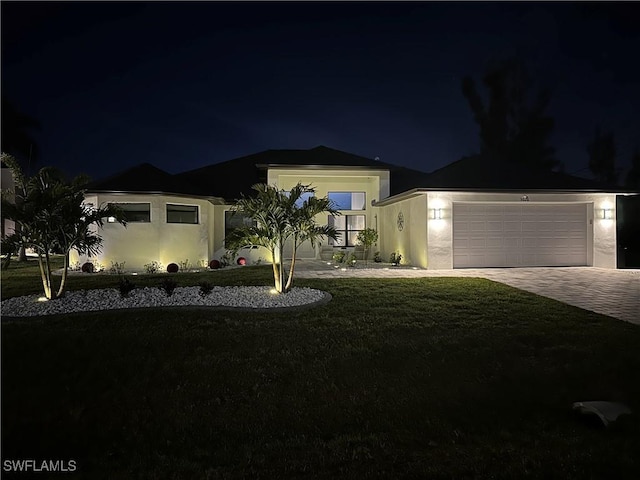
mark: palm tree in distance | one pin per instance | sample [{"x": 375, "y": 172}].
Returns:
[{"x": 16, "y": 138}]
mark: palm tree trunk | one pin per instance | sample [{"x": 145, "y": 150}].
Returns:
[
  {"x": 281, "y": 266},
  {"x": 276, "y": 275},
  {"x": 293, "y": 264},
  {"x": 46, "y": 276},
  {"x": 63, "y": 281}
]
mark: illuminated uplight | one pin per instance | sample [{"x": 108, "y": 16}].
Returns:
[
  {"x": 415, "y": 268},
  {"x": 43, "y": 299},
  {"x": 273, "y": 291},
  {"x": 111, "y": 219},
  {"x": 343, "y": 269}
]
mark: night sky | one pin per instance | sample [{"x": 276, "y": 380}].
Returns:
[{"x": 183, "y": 85}]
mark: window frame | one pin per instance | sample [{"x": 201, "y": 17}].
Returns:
[
  {"x": 351, "y": 192},
  {"x": 344, "y": 232},
  {"x": 119, "y": 205},
  {"x": 197, "y": 212},
  {"x": 230, "y": 212}
]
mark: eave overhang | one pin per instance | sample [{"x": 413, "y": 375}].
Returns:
[
  {"x": 214, "y": 200},
  {"x": 421, "y": 191}
]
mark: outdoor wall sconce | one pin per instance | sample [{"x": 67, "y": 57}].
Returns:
[
  {"x": 607, "y": 213},
  {"x": 436, "y": 214}
]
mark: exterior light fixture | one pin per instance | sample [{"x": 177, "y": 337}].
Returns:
[
  {"x": 436, "y": 214},
  {"x": 607, "y": 213},
  {"x": 524, "y": 198},
  {"x": 111, "y": 219}
]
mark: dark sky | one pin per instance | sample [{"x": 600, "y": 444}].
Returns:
[{"x": 183, "y": 85}]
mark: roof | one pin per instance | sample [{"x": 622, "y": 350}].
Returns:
[
  {"x": 478, "y": 173},
  {"x": 234, "y": 177},
  {"x": 142, "y": 178}
]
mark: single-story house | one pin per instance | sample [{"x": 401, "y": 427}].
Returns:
[{"x": 467, "y": 214}]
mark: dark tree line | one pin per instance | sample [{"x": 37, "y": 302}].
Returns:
[
  {"x": 17, "y": 134},
  {"x": 603, "y": 154},
  {"x": 514, "y": 127}
]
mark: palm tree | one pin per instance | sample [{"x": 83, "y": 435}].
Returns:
[
  {"x": 52, "y": 216},
  {"x": 303, "y": 224},
  {"x": 277, "y": 219}
]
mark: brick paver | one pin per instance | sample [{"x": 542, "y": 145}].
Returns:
[{"x": 611, "y": 292}]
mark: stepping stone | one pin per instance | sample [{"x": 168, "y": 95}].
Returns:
[{"x": 608, "y": 412}]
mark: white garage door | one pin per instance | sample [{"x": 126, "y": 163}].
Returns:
[{"x": 519, "y": 235}]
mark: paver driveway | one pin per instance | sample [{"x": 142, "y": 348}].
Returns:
[{"x": 611, "y": 292}]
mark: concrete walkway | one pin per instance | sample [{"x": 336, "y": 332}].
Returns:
[{"x": 615, "y": 293}]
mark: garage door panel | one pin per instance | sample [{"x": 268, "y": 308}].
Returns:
[
  {"x": 495, "y": 235},
  {"x": 511, "y": 226},
  {"x": 476, "y": 226},
  {"x": 495, "y": 242}
]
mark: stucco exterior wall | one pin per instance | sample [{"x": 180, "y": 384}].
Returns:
[
  {"x": 411, "y": 240},
  {"x": 143, "y": 242}
]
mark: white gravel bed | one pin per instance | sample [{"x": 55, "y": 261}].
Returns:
[{"x": 110, "y": 299}]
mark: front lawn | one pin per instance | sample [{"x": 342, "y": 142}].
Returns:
[{"x": 398, "y": 378}]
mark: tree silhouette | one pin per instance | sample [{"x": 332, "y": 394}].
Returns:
[
  {"x": 17, "y": 139},
  {"x": 602, "y": 156},
  {"x": 633, "y": 176},
  {"x": 512, "y": 128}
]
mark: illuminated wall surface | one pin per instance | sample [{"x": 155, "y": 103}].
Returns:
[{"x": 142, "y": 242}]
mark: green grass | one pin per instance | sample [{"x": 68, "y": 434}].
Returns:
[{"x": 398, "y": 378}]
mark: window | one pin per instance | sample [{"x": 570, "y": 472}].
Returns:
[
  {"x": 182, "y": 213},
  {"x": 134, "y": 212},
  {"x": 304, "y": 197},
  {"x": 348, "y": 200},
  {"x": 348, "y": 226},
  {"x": 231, "y": 221}
]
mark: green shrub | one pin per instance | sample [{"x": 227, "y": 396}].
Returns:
[
  {"x": 205, "y": 288},
  {"x": 168, "y": 285},
  {"x": 153, "y": 267},
  {"x": 125, "y": 286},
  {"x": 117, "y": 268},
  {"x": 338, "y": 257},
  {"x": 352, "y": 260},
  {"x": 377, "y": 257},
  {"x": 395, "y": 258}
]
